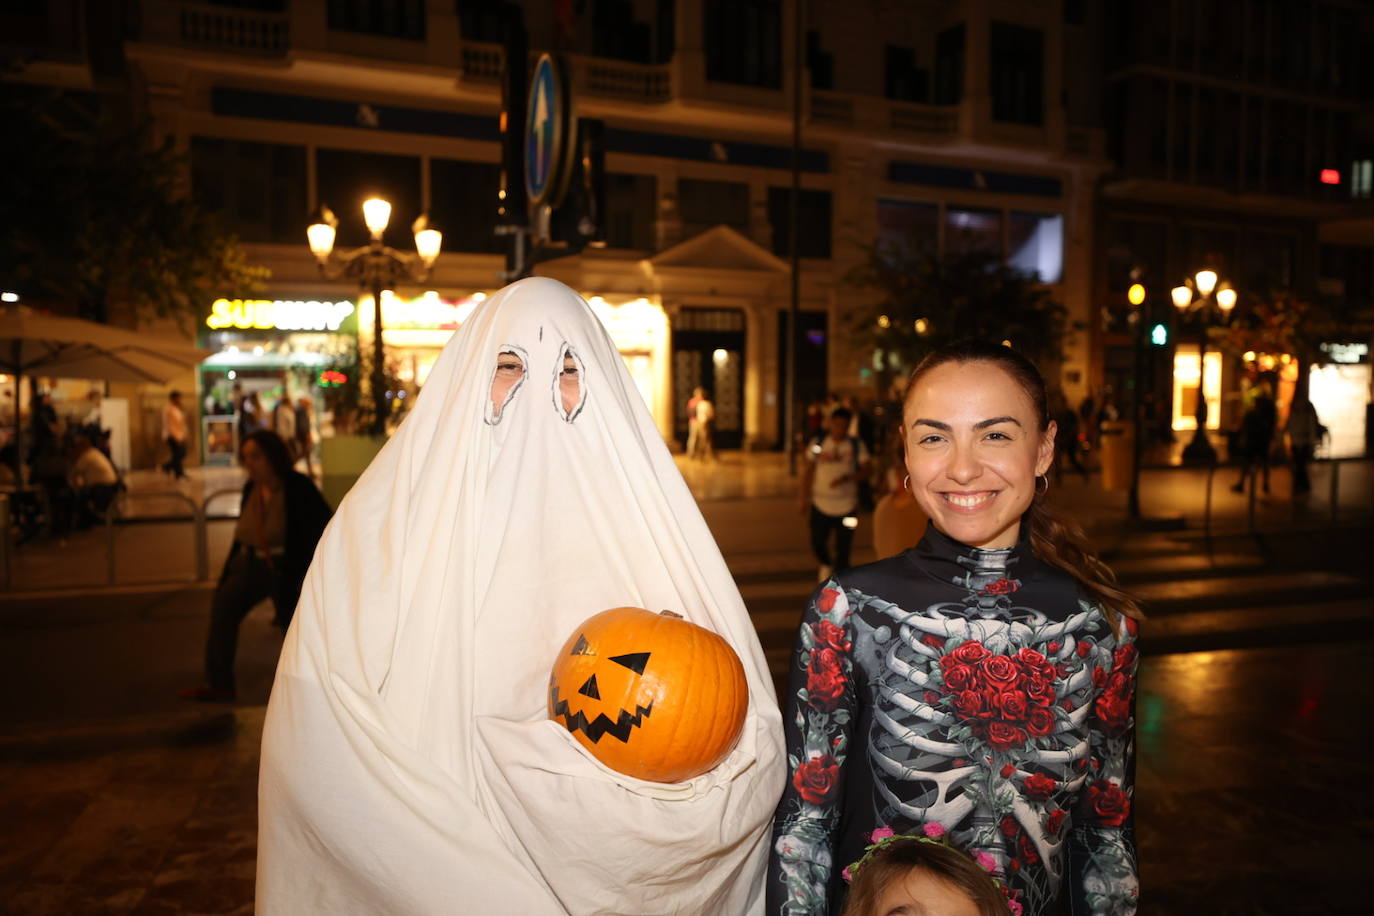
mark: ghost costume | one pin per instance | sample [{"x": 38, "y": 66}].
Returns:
[{"x": 408, "y": 764}]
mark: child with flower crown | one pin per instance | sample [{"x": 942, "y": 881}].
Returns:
[{"x": 923, "y": 874}]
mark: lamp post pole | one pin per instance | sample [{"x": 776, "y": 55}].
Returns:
[
  {"x": 1204, "y": 283},
  {"x": 1136, "y": 295},
  {"x": 376, "y": 268}
]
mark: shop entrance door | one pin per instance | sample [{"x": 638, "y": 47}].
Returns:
[{"x": 708, "y": 350}]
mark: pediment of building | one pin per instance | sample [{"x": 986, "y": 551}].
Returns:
[{"x": 721, "y": 248}]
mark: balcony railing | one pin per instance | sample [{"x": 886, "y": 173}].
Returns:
[
  {"x": 481, "y": 62},
  {"x": 217, "y": 28},
  {"x": 871, "y": 113}
]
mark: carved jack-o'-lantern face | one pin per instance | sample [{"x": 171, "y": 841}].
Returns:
[{"x": 650, "y": 695}]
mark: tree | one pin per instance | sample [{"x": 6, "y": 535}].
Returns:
[
  {"x": 1286, "y": 323},
  {"x": 97, "y": 218},
  {"x": 927, "y": 300}
]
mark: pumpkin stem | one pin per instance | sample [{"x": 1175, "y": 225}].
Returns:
[{"x": 670, "y": 614}]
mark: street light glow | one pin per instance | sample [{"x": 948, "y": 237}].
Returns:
[
  {"x": 1226, "y": 300},
  {"x": 321, "y": 238},
  {"x": 1136, "y": 294},
  {"x": 1206, "y": 281},
  {"x": 427, "y": 244},
  {"x": 376, "y": 213},
  {"x": 1183, "y": 297},
  {"x": 9, "y": 297}
]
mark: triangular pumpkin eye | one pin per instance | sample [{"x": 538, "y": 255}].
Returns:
[
  {"x": 589, "y": 689},
  {"x": 635, "y": 661},
  {"x": 582, "y": 647}
]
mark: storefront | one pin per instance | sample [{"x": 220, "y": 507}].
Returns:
[{"x": 1339, "y": 389}]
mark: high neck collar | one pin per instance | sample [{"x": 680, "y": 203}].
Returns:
[{"x": 975, "y": 568}]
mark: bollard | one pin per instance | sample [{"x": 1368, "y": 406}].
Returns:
[
  {"x": 5, "y": 544},
  {"x": 1207, "y": 508},
  {"x": 202, "y": 545},
  {"x": 109, "y": 547},
  {"x": 1335, "y": 488},
  {"x": 1250, "y": 509}
]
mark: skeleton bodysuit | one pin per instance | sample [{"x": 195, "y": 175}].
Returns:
[{"x": 971, "y": 688}]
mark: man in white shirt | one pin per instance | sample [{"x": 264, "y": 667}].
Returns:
[
  {"x": 830, "y": 491},
  {"x": 93, "y": 479},
  {"x": 174, "y": 431}
]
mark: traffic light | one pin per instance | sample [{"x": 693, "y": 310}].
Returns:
[{"x": 1159, "y": 334}]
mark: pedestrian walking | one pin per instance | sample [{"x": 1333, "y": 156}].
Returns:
[
  {"x": 692, "y": 433},
  {"x": 706, "y": 427},
  {"x": 281, "y": 518},
  {"x": 175, "y": 433},
  {"x": 305, "y": 433},
  {"x": 1257, "y": 437},
  {"x": 408, "y": 761},
  {"x": 1066, "y": 442},
  {"x": 1305, "y": 432},
  {"x": 835, "y": 465},
  {"x": 284, "y": 424},
  {"x": 980, "y": 685}
]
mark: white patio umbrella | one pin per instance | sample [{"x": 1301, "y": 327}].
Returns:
[{"x": 33, "y": 343}]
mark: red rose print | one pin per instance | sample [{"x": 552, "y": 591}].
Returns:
[
  {"x": 1039, "y": 786},
  {"x": 825, "y": 680},
  {"x": 830, "y": 636},
  {"x": 1011, "y": 704},
  {"x": 1108, "y": 802},
  {"x": 816, "y": 778},
  {"x": 970, "y": 653},
  {"x": 1119, "y": 684},
  {"x": 1004, "y": 736},
  {"x": 1066, "y": 704},
  {"x": 957, "y": 677},
  {"x": 930, "y": 697},
  {"x": 1039, "y": 690},
  {"x": 1081, "y": 763},
  {"x": 1000, "y": 587},
  {"x": 1030, "y": 659},
  {"x": 826, "y": 601},
  {"x": 970, "y": 704},
  {"x": 1099, "y": 677},
  {"x": 1009, "y": 825},
  {"x": 935, "y": 642},
  {"x": 1040, "y": 723},
  {"x": 1000, "y": 672},
  {"x": 1053, "y": 648},
  {"x": 1114, "y": 712},
  {"x": 1061, "y": 670},
  {"x": 1027, "y": 849},
  {"x": 1083, "y": 649},
  {"x": 1055, "y": 821},
  {"x": 1014, "y": 865},
  {"x": 1132, "y": 626},
  {"x": 1124, "y": 657},
  {"x": 1007, "y": 770}
]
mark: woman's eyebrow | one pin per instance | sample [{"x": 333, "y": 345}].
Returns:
[
  {"x": 984, "y": 424},
  {"x": 934, "y": 423}
]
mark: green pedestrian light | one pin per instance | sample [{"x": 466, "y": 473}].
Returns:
[{"x": 1159, "y": 335}]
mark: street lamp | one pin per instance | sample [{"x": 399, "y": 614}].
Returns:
[
  {"x": 376, "y": 267},
  {"x": 1204, "y": 285}
]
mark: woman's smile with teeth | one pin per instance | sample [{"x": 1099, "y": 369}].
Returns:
[{"x": 970, "y": 500}]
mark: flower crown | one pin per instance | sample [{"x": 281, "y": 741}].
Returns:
[{"x": 935, "y": 834}]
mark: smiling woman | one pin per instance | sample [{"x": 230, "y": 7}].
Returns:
[{"x": 979, "y": 685}]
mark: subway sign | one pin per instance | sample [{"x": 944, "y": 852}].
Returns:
[{"x": 277, "y": 314}]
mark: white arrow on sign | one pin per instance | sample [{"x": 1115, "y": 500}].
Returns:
[{"x": 541, "y": 124}]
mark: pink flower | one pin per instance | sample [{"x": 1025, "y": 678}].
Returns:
[
  {"x": 934, "y": 830},
  {"x": 848, "y": 878},
  {"x": 986, "y": 862},
  {"x": 881, "y": 833},
  {"x": 1015, "y": 907}
]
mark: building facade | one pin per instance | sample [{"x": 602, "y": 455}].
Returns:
[
  {"x": 1241, "y": 135},
  {"x": 943, "y": 121}
]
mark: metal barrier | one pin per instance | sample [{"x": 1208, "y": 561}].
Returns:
[
  {"x": 1252, "y": 525},
  {"x": 197, "y": 521}
]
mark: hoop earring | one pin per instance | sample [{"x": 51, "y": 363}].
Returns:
[
  {"x": 906, "y": 482},
  {"x": 1038, "y": 478}
]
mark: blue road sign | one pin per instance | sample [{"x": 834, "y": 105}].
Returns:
[{"x": 546, "y": 133}]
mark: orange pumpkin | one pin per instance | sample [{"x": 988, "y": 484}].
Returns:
[{"x": 652, "y": 696}]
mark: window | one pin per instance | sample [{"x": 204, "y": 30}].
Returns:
[
  {"x": 1035, "y": 245},
  {"x": 907, "y": 226},
  {"x": 631, "y": 211},
  {"x": 385, "y": 18},
  {"x": 820, "y": 64},
  {"x": 949, "y": 66},
  {"x": 968, "y": 229},
  {"x": 1267, "y": 262},
  {"x": 616, "y": 34},
  {"x": 902, "y": 79},
  {"x": 1018, "y": 63},
  {"x": 258, "y": 189},
  {"x": 346, "y": 178},
  {"x": 813, "y": 217},
  {"x": 463, "y": 203},
  {"x": 706, "y": 204},
  {"x": 743, "y": 40},
  {"x": 486, "y": 20}
]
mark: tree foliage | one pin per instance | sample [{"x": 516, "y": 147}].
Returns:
[
  {"x": 97, "y": 218},
  {"x": 926, "y": 300}
]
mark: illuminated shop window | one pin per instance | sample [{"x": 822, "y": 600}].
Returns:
[{"x": 1186, "y": 378}]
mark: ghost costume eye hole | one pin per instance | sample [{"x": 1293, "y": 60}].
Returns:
[
  {"x": 506, "y": 379},
  {"x": 568, "y": 393}
]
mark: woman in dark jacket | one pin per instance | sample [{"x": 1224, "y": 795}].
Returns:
[{"x": 281, "y": 518}]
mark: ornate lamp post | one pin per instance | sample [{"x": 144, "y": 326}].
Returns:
[
  {"x": 1197, "y": 296},
  {"x": 376, "y": 267}
]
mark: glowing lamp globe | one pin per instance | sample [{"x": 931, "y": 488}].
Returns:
[{"x": 652, "y": 696}]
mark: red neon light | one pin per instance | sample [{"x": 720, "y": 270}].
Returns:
[{"x": 1331, "y": 176}]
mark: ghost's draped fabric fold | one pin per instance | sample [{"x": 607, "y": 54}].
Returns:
[{"x": 408, "y": 765}]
